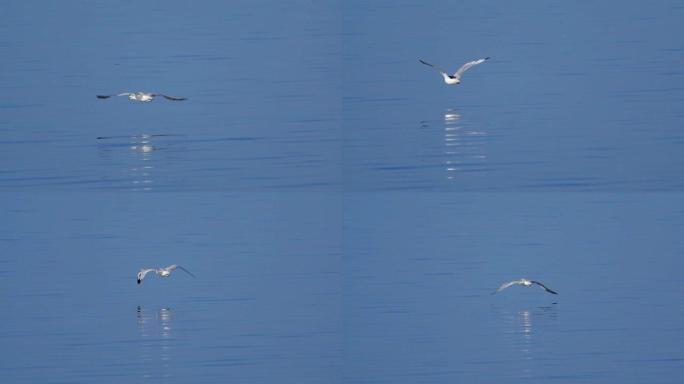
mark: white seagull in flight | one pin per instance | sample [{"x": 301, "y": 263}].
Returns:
[
  {"x": 456, "y": 77},
  {"x": 526, "y": 283},
  {"x": 145, "y": 97},
  {"x": 163, "y": 272}
]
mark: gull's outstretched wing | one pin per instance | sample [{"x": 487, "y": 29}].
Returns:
[
  {"x": 174, "y": 266},
  {"x": 506, "y": 285},
  {"x": 143, "y": 272},
  {"x": 443, "y": 72},
  {"x": 108, "y": 96},
  {"x": 167, "y": 97},
  {"x": 544, "y": 286},
  {"x": 469, "y": 65}
]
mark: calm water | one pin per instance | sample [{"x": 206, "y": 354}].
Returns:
[{"x": 347, "y": 214}]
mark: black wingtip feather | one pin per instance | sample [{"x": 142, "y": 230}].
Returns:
[{"x": 174, "y": 98}]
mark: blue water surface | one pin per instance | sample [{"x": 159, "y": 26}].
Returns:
[{"x": 346, "y": 214}]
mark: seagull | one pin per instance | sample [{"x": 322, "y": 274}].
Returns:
[
  {"x": 526, "y": 283},
  {"x": 163, "y": 272},
  {"x": 456, "y": 77},
  {"x": 145, "y": 97}
]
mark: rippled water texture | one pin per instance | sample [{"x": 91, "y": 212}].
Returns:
[{"x": 346, "y": 214}]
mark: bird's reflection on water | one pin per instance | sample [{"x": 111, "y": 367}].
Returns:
[
  {"x": 156, "y": 341},
  {"x": 522, "y": 328},
  {"x": 141, "y": 149},
  {"x": 142, "y": 144},
  {"x": 464, "y": 149},
  {"x": 141, "y": 173}
]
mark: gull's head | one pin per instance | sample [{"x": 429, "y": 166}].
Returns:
[{"x": 164, "y": 273}]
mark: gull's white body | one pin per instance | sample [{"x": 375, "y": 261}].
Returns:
[
  {"x": 141, "y": 96},
  {"x": 163, "y": 272},
  {"x": 450, "y": 80},
  {"x": 455, "y": 79}
]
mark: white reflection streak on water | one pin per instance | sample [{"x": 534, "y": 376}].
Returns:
[
  {"x": 451, "y": 139},
  {"x": 164, "y": 317},
  {"x": 142, "y": 174},
  {"x": 148, "y": 350},
  {"x": 520, "y": 323},
  {"x": 140, "y": 150},
  {"x": 460, "y": 146},
  {"x": 525, "y": 318},
  {"x": 526, "y": 321},
  {"x": 521, "y": 326}
]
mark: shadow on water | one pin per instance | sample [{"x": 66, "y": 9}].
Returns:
[{"x": 156, "y": 342}]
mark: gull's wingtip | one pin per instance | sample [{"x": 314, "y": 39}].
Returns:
[
  {"x": 188, "y": 272},
  {"x": 487, "y": 58},
  {"x": 139, "y": 281},
  {"x": 167, "y": 97}
]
